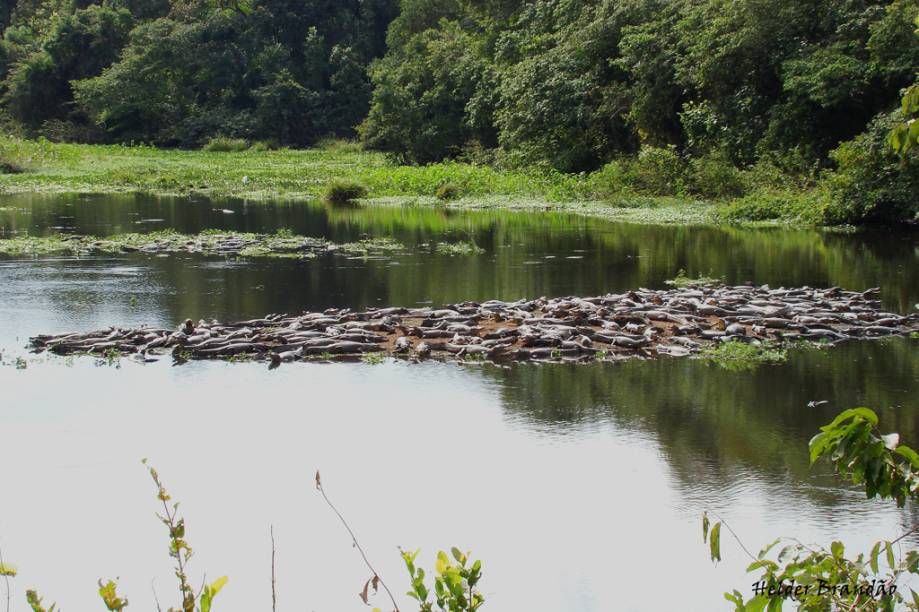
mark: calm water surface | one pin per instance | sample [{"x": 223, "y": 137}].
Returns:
[{"x": 581, "y": 488}]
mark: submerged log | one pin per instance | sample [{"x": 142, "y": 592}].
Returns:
[{"x": 642, "y": 323}]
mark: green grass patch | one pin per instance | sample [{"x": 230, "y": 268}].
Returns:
[
  {"x": 738, "y": 356},
  {"x": 341, "y": 171},
  {"x": 221, "y": 144}
]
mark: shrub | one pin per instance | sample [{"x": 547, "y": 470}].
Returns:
[
  {"x": 223, "y": 144},
  {"x": 809, "y": 207},
  {"x": 341, "y": 191},
  {"x": 448, "y": 191},
  {"x": 715, "y": 177},
  {"x": 264, "y": 145},
  {"x": 656, "y": 171},
  {"x": 872, "y": 183}
]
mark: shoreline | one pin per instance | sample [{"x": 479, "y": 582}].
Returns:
[{"x": 305, "y": 174}]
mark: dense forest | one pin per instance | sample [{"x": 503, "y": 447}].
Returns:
[{"x": 568, "y": 85}]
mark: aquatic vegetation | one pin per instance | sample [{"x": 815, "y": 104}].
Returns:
[
  {"x": 818, "y": 578},
  {"x": 683, "y": 280},
  {"x": 283, "y": 244},
  {"x": 458, "y": 248},
  {"x": 373, "y": 358},
  {"x": 342, "y": 191},
  {"x": 370, "y": 245},
  {"x": 738, "y": 356}
]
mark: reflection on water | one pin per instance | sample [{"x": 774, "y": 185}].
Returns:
[{"x": 570, "y": 482}]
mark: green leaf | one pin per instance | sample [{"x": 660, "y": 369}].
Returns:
[
  {"x": 757, "y": 604},
  {"x": 715, "y": 542},
  {"x": 875, "y": 553},
  {"x": 458, "y": 555},
  {"x": 890, "y": 558},
  {"x": 8, "y": 570},
  {"x": 907, "y": 452},
  {"x": 818, "y": 445},
  {"x": 864, "y": 413},
  {"x": 765, "y": 551},
  {"x": 442, "y": 562},
  {"x": 705, "y": 524},
  {"x": 210, "y": 591}
]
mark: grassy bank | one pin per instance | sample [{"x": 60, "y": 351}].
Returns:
[{"x": 635, "y": 191}]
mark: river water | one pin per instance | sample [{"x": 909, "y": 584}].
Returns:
[{"x": 581, "y": 488}]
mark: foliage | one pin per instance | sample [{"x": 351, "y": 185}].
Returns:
[
  {"x": 714, "y": 177},
  {"x": 180, "y": 73},
  {"x": 35, "y": 602},
  {"x": 575, "y": 85},
  {"x": 342, "y": 191},
  {"x": 430, "y": 97},
  {"x": 816, "y": 578},
  {"x": 810, "y": 207},
  {"x": 448, "y": 191},
  {"x": 873, "y": 182},
  {"x": 181, "y": 553},
  {"x": 454, "y": 584},
  {"x": 76, "y": 45},
  {"x": 905, "y": 134},
  {"x": 108, "y": 591}
]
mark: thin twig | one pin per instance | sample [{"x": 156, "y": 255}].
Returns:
[
  {"x": 908, "y": 533},
  {"x": 155, "y": 598},
  {"x": 6, "y": 579},
  {"x": 274, "y": 597},
  {"x": 356, "y": 543},
  {"x": 736, "y": 537}
]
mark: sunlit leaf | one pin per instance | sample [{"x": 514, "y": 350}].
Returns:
[{"x": 715, "y": 542}]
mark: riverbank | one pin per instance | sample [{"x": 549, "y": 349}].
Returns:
[{"x": 258, "y": 175}]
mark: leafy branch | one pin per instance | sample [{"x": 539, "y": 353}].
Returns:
[{"x": 816, "y": 578}]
